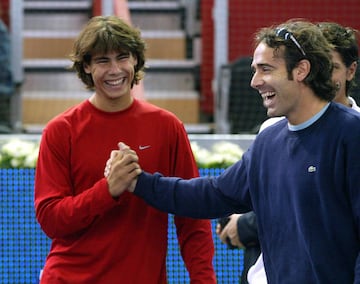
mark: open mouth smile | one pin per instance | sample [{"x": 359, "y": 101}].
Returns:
[{"x": 117, "y": 82}]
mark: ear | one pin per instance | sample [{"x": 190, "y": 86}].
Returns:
[
  {"x": 87, "y": 68},
  {"x": 350, "y": 71},
  {"x": 302, "y": 70}
]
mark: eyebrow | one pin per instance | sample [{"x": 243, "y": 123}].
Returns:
[
  {"x": 97, "y": 57},
  {"x": 260, "y": 65}
]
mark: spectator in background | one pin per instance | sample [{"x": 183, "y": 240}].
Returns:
[
  {"x": 300, "y": 175},
  {"x": 345, "y": 57},
  {"x": 6, "y": 80},
  {"x": 97, "y": 235}
]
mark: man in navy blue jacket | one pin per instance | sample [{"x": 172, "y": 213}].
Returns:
[{"x": 300, "y": 176}]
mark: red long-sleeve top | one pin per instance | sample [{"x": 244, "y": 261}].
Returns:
[{"x": 95, "y": 238}]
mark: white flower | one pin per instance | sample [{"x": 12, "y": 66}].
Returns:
[
  {"x": 18, "y": 148},
  {"x": 228, "y": 149},
  {"x": 222, "y": 155},
  {"x": 18, "y": 153},
  {"x": 15, "y": 162},
  {"x": 30, "y": 160},
  {"x": 201, "y": 154}
]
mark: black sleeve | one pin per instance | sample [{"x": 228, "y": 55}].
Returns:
[{"x": 247, "y": 229}]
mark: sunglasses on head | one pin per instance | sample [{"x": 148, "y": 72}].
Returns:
[{"x": 286, "y": 35}]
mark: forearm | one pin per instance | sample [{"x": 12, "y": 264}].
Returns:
[
  {"x": 60, "y": 216},
  {"x": 196, "y": 198},
  {"x": 197, "y": 248}
]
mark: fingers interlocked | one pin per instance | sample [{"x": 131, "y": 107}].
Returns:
[{"x": 121, "y": 170}]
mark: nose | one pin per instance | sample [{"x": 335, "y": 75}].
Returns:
[
  {"x": 256, "y": 81},
  {"x": 114, "y": 67}
]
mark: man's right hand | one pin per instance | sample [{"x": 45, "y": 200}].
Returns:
[{"x": 121, "y": 170}]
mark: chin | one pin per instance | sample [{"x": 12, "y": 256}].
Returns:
[{"x": 271, "y": 113}]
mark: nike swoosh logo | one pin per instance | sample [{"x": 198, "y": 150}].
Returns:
[{"x": 144, "y": 147}]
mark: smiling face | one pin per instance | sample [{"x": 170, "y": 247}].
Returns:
[
  {"x": 112, "y": 74},
  {"x": 280, "y": 94}
]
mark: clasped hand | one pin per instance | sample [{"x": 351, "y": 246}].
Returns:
[{"x": 121, "y": 170}]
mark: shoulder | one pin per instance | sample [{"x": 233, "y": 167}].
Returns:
[
  {"x": 354, "y": 106},
  {"x": 151, "y": 111},
  {"x": 346, "y": 114},
  {"x": 66, "y": 118},
  {"x": 272, "y": 129},
  {"x": 342, "y": 122},
  {"x": 152, "y": 108}
]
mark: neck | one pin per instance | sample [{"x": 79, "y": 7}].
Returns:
[
  {"x": 306, "y": 109},
  {"x": 111, "y": 105}
]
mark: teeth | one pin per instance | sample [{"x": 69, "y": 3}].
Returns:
[
  {"x": 117, "y": 82},
  {"x": 268, "y": 94}
]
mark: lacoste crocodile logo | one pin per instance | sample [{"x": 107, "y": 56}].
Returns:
[{"x": 311, "y": 169}]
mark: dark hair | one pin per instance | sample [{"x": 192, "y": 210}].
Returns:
[
  {"x": 315, "y": 47},
  {"x": 344, "y": 41},
  {"x": 103, "y": 34}
]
